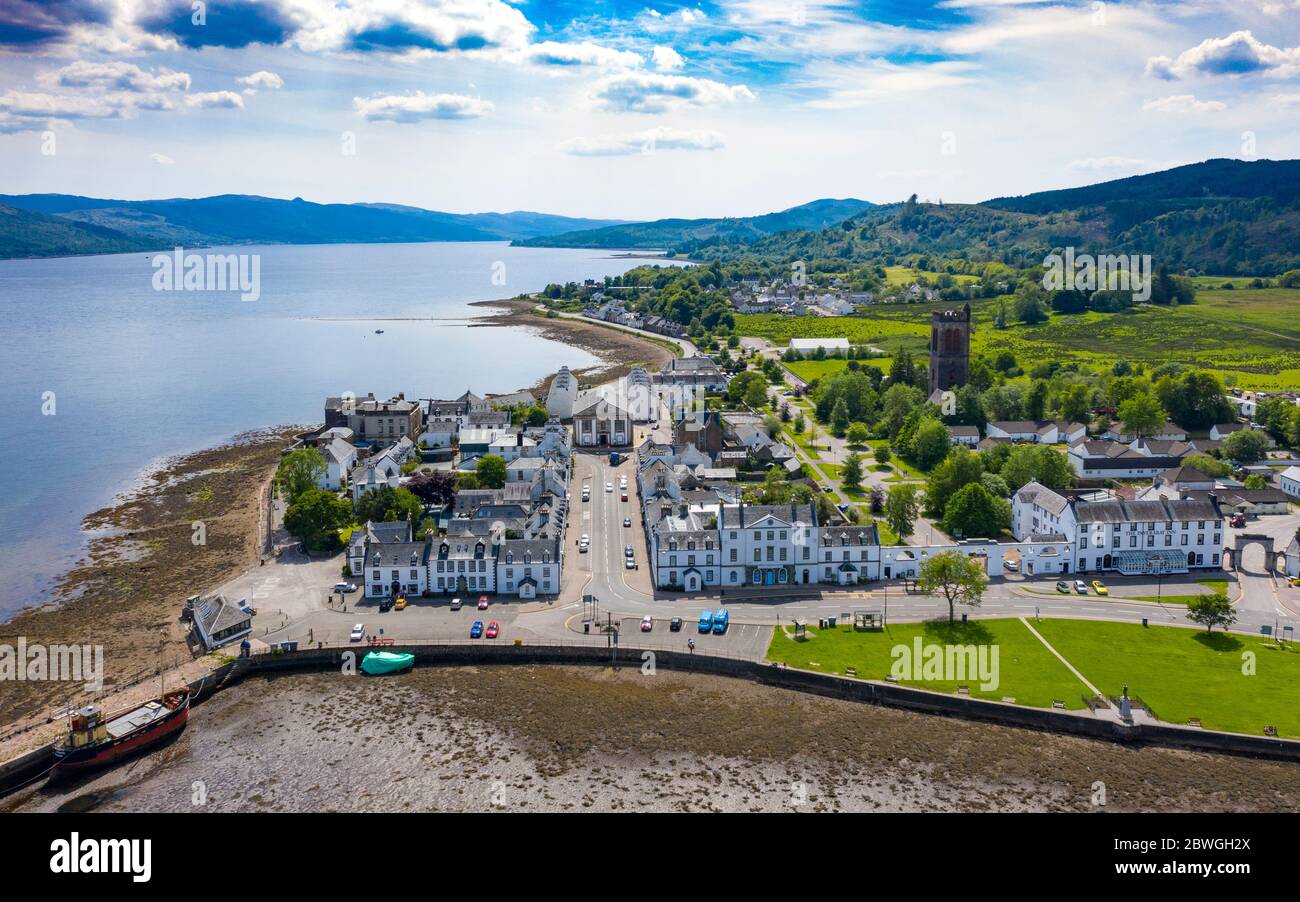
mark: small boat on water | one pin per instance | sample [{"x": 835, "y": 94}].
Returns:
[
  {"x": 95, "y": 740},
  {"x": 379, "y": 331},
  {"x": 378, "y": 663}
]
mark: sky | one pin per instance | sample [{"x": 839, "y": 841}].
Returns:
[{"x": 634, "y": 110}]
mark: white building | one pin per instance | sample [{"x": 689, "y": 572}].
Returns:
[
  {"x": 808, "y": 345},
  {"x": 562, "y": 394},
  {"x": 1289, "y": 481},
  {"x": 597, "y": 422},
  {"x": 340, "y": 457}
]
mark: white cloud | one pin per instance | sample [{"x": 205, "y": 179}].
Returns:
[
  {"x": 666, "y": 58},
  {"x": 419, "y": 28},
  {"x": 585, "y": 53},
  {"x": 1285, "y": 100},
  {"x": 116, "y": 76},
  {"x": 1182, "y": 103},
  {"x": 262, "y": 79},
  {"x": 1238, "y": 54},
  {"x": 646, "y": 92},
  {"x": 29, "y": 104},
  {"x": 847, "y": 86},
  {"x": 648, "y": 141},
  {"x": 161, "y": 159},
  {"x": 227, "y": 100},
  {"x": 419, "y": 106}
]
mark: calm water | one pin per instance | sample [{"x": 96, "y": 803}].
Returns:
[{"x": 138, "y": 375}]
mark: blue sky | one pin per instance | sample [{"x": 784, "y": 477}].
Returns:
[{"x": 634, "y": 109}]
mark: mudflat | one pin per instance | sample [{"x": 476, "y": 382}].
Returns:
[{"x": 572, "y": 739}]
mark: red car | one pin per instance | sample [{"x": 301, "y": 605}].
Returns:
[
  {"x": 482, "y": 602},
  {"x": 492, "y": 630}
]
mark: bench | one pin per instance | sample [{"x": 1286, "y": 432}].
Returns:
[
  {"x": 1009, "y": 699},
  {"x": 1058, "y": 704},
  {"x": 963, "y": 690},
  {"x": 1193, "y": 722},
  {"x": 1270, "y": 731}
]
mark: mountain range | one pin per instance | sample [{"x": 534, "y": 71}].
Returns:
[
  {"x": 1219, "y": 216},
  {"x": 47, "y": 225}
]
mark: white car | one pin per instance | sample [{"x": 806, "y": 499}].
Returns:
[
  {"x": 627, "y": 522},
  {"x": 358, "y": 633},
  {"x": 584, "y": 544},
  {"x": 609, "y": 486},
  {"x": 629, "y": 563},
  {"x": 1010, "y": 565},
  {"x": 455, "y": 604},
  {"x": 345, "y": 587}
]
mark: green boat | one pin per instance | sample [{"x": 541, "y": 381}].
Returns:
[{"x": 378, "y": 663}]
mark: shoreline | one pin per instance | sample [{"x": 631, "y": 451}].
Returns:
[{"x": 618, "y": 349}]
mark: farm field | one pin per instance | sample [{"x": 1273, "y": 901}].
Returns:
[{"x": 1247, "y": 336}]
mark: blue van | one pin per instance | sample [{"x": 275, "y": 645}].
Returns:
[
  {"x": 706, "y": 622},
  {"x": 720, "y": 620}
]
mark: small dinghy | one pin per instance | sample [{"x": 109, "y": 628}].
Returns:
[{"x": 378, "y": 663}]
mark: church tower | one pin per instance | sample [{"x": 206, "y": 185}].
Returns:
[{"x": 949, "y": 348}]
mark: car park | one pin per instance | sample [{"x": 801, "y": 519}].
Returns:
[
  {"x": 675, "y": 625},
  {"x": 1081, "y": 587},
  {"x": 1100, "y": 587},
  {"x": 647, "y": 623},
  {"x": 493, "y": 630},
  {"x": 476, "y": 631},
  {"x": 358, "y": 633}
]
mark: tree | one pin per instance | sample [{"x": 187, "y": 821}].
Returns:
[
  {"x": 857, "y": 434},
  {"x": 1030, "y": 299},
  {"x": 1036, "y": 400},
  {"x": 960, "y": 468},
  {"x": 1211, "y": 610},
  {"x": 1141, "y": 415},
  {"x": 882, "y": 455},
  {"x": 491, "y": 471},
  {"x": 388, "y": 505},
  {"x": 975, "y": 512},
  {"x": 316, "y": 516},
  {"x": 852, "y": 472},
  {"x": 901, "y": 509},
  {"x": 958, "y": 578},
  {"x": 1075, "y": 403},
  {"x": 1195, "y": 399},
  {"x": 1255, "y": 481},
  {"x": 895, "y": 404},
  {"x": 300, "y": 471},
  {"x": 840, "y": 417},
  {"x": 1210, "y": 466},
  {"x": 755, "y": 394},
  {"x": 435, "y": 488},
  {"x": 799, "y": 423},
  {"x": 1245, "y": 446},
  {"x": 930, "y": 443}
]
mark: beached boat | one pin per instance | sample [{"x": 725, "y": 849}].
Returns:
[
  {"x": 377, "y": 663},
  {"x": 95, "y": 741}
]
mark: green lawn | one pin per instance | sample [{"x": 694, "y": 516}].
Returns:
[
  {"x": 1027, "y": 671},
  {"x": 1214, "y": 585},
  {"x": 1185, "y": 673}
]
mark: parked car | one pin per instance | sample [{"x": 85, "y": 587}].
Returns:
[
  {"x": 476, "y": 631},
  {"x": 675, "y": 625},
  {"x": 345, "y": 587},
  {"x": 1010, "y": 565},
  {"x": 1081, "y": 587},
  {"x": 385, "y": 605},
  {"x": 624, "y": 497},
  {"x": 647, "y": 623},
  {"x": 627, "y": 551},
  {"x": 706, "y": 622},
  {"x": 401, "y": 603},
  {"x": 1238, "y": 521},
  {"x": 493, "y": 629},
  {"x": 720, "y": 620},
  {"x": 358, "y": 633},
  {"x": 629, "y": 563},
  {"x": 482, "y": 603},
  {"x": 1063, "y": 587},
  {"x": 455, "y": 604},
  {"x": 1100, "y": 587}
]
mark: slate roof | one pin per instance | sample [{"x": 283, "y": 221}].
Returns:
[{"x": 1159, "y": 511}]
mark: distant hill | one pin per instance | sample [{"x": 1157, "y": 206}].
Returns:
[
  {"x": 27, "y": 234},
  {"x": 108, "y": 226},
  {"x": 667, "y": 233},
  {"x": 1221, "y": 216}
]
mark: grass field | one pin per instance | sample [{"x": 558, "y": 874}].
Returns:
[
  {"x": 1251, "y": 336},
  {"x": 1027, "y": 671},
  {"x": 1181, "y": 673},
  {"x": 1185, "y": 673},
  {"x": 1214, "y": 585}
]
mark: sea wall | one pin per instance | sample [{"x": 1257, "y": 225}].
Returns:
[{"x": 31, "y": 765}]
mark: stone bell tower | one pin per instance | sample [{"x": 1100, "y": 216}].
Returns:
[{"x": 949, "y": 348}]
